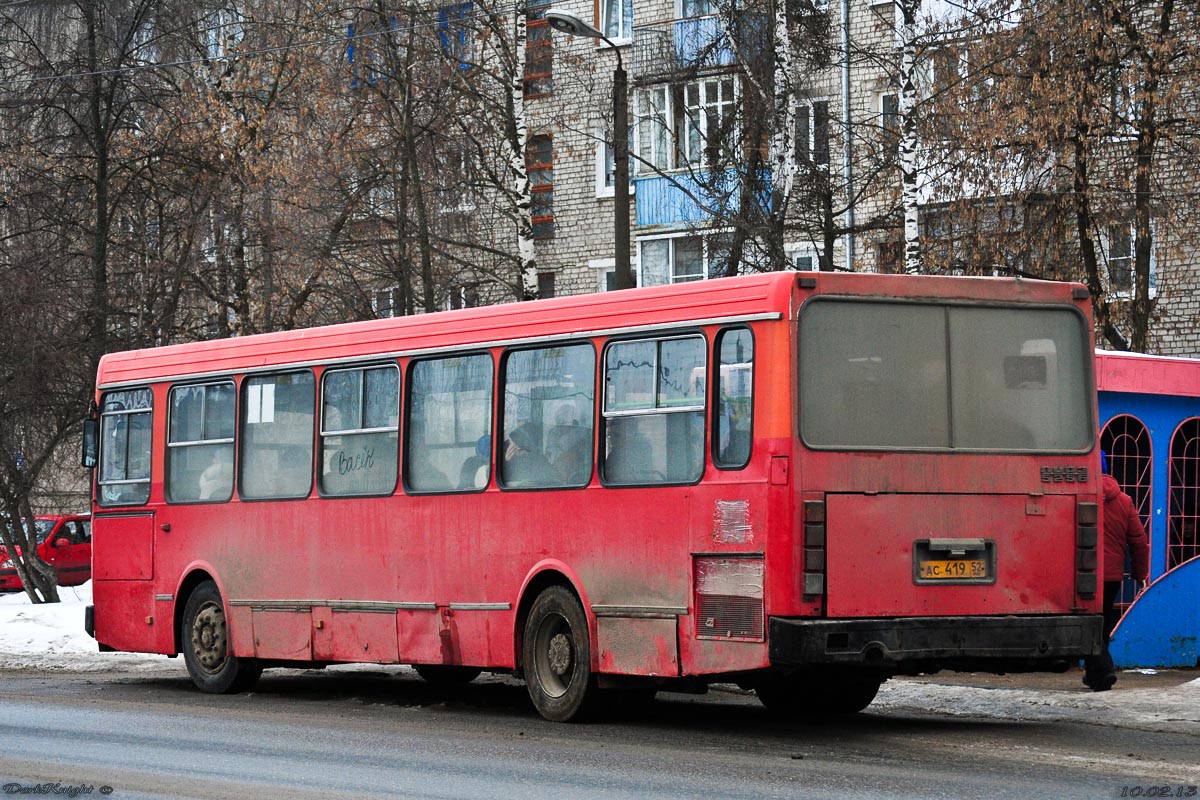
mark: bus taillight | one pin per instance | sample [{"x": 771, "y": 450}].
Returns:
[
  {"x": 814, "y": 550},
  {"x": 1086, "y": 553}
]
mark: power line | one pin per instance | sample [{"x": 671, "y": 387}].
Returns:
[{"x": 245, "y": 55}]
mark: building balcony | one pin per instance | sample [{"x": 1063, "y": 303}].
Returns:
[{"x": 678, "y": 49}]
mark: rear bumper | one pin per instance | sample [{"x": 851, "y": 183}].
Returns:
[{"x": 924, "y": 644}]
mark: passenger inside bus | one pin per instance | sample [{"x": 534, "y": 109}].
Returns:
[
  {"x": 474, "y": 472},
  {"x": 570, "y": 453},
  {"x": 216, "y": 481},
  {"x": 524, "y": 463}
]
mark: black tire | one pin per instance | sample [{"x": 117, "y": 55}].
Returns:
[
  {"x": 810, "y": 695},
  {"x": 557, "y": 656},
  {"x": 204, "y": 639},
  {"x": 447, "y": 674}
]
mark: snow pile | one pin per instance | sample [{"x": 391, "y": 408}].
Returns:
[
  {"x": 1157, "y": 708},
  {"x": 51, "y": 635}
]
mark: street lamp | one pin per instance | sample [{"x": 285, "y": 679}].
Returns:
[{"x": 566, "y": 22}]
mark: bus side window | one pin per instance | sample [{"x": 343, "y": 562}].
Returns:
[
  {"x": 548, "y": 412},
  {"x": 449, "y": 421},
  {"x": 277, "y": 436},
  {"x": 654, "y": 411},
  {"x": 734, "y": 418},
  {"x": 360, "y": 417},
  {"x": 200, "y": 427},
  {"x": 124, "y": 475}
]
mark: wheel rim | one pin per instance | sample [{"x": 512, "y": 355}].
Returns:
[
  {"x": 555, "y": 656},
  {"x": 208, "y": 637}
]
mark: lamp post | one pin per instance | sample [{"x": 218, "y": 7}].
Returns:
[{"x": 566, "y": 22}]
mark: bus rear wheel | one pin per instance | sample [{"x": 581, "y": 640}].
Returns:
[
  {"x": 816, "y": 694},
  {"x": 557, "y": 656},
  {"x": 447, "y": 674},
  {"x": 205, "y": 640}
]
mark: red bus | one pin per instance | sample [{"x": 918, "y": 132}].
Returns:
[{"x": 804, "y": 483}]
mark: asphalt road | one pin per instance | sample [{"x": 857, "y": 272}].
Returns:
[{"x": 388, "y": 734}]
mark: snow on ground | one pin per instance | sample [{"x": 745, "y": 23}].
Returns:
[
  {"x": 1175, "y": 707},
  {"x": 51, "y": 637}
]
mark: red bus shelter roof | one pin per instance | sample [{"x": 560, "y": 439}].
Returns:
[{"x": 1145, "y": 374}]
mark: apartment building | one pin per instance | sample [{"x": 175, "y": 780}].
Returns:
[{"x": 699, "y": 71}]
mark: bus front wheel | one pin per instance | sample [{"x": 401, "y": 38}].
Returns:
[
  {"x": 204, "y": 636},
  {"x": 557, "y": 656}
]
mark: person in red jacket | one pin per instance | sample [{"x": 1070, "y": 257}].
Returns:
[{"x": 1122, "y": 529}]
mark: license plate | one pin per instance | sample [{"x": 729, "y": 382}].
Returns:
[{"x": 954, "y": 569}]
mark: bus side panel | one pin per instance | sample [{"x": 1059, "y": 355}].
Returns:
[
  {"x": 418, "y": 639},
  {"x": 123, "y": 547},
  {"x": 353, "y": 635},
  {"x": 283, "y": 634},
  {"x": 125, "y": 618},
  {"x": 637, "y": 646},
  {"x": 715, "y": 656}
]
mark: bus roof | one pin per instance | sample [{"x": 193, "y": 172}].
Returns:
[
  {"x": 761, "y": 296},
  {"x": 1138, "y": 373}
]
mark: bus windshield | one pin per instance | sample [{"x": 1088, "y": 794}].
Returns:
[{"x": 922, "y": 376}]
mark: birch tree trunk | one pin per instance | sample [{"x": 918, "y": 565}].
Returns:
[
  {"x": 907, "y": 153},
  {"x": 518, "y": 140},
  {"x": 782, "y": 154}
]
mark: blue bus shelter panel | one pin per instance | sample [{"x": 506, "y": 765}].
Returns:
[
  {"x": 1162, "y": 627},
  {"x": 1161, "y": 414}
]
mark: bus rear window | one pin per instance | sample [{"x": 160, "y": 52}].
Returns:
[{"x": 921, "y": 376}]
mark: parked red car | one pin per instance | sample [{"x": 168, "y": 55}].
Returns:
[{"x": 64, "y": 542}]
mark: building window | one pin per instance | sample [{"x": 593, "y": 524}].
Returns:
[
  {"x": 812, "y": 133},
  {"x": 889, "y": 113},
  {"x": 545, "y": 285},
  {"x": 383, "y": 303},
  {"x": 606, "y": 167},
  {"x": 696, "y": 8},
  {"x": 681, "y": 259},
  {"x": 710, "y": 106},
  {"x": 889, "y": 256},
  {"x": 803, "y": 257},
  {"x": 539, "y": 161},
  {"x": 465, "y": 296},
  {"x": 1118, "y": 245},
  {"x": 692, "y": 124},
  {"x": 454, "y": 32},
  {"x": 223, "y": 31},
  {"x": 616, "y": 18},
  {"x": 1119, "y": 251},
  {"x": 653, "y": 130},
  {"x": 539, "y": 55}
]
